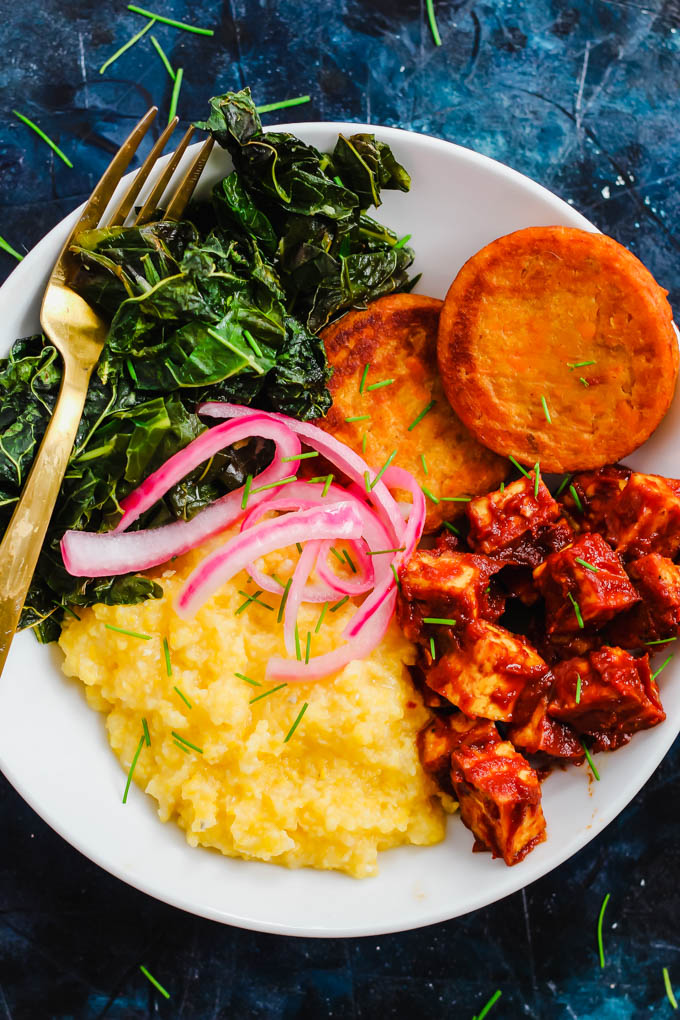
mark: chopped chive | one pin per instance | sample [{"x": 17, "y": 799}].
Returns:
[
  {"x": 576, "y": 498},
  {"x": 299, "y": 548},
  {"x": 272, "y": 690},
  {"x": 175, "y": 96},
  {"x": 380, "y": 552},
  {"x": 327, "y": 485},
  {"x": 131, "y": 370},
  {"x": 358, "y": 417},
  {"x": 253, "y": 683},
  {"x": 518, "y": 466},
  {"x": 347, "y": 556},
  {"x": 67, "y": 609},
  {"x": 41, "y": 134},
  {"x": 456, "y": 499},
  {"x": 367, "y": 481},
  {"x": 588, "y": 566},
  {"x": 181, "y": 747},
  {"x": 145, "y": 727},
  {"x": 537, "y": 479},
  {"x": 161, "y": 53},
  {"x": 300, "y": 456},
  {"x": 295, "y": 725},
  {"x": 430, "y": 495},
  {"x": 429, "y": 6},
  {"x": 588, "y": 755},
  {"x": 578, "y": 688},
  {"x": 132, "y": 767},
  {"x": 252, "y": 343},
  {"x": 337, "y": 605},
  {"x": 183, "y": 740},
  {"x": 669, "y": 988},
  {"x": 584, "y": 382},
  {"x": 363, "y": 377},
  {"x": 417, "y": 420},
  {"x": 283, "y": 104},
  {"x": 153, "y": 981},
  {"x": 563, "y": 484},
  {"x": 274, "y": 485},
  {"x": 452, "y": 528},
  {"x": 546, "y": 412},
  {"x": 662, "y": 666},
  {"x": 318, "y": 478},
  {"x": 383, "y": 469},
  {"x": 298, "y": 651},
  {"x": 129, "y": 633},
  {"x": 600, "y": 919},
  {"x": 396, "y": 575},
  {"x": 379, "y": 385},
  {"x": 661, "y": 641},
  {"x": 320, "y": 620},
  {"x": 433, "y": 650},
  {"x": 183, "y": 697},
  {"x": 577, "y": 609},
  {"x": 166, "y": 653},
  {"x": 276, "y": 578},
  {"x": 424, "y": 463},
  {"x": 336, "y": 554},
  {"x": 6, "y": 246},
  {"x": 502, "y": 488},
  {"x": 401, "y": 242},
  {"x": 255, "y": 597},
  {"x": 246, "y": 491},
  {"x": 169, "y": 21},
  {"x": 284, "y": 599},
  {"x": 364, "y": 440},
  {"x": 439, "y": 620},
  {"x": 487, "y": 589},
  {"x": 579, "y": 364},
  {"x": 308, "y": 647},
  {"x": 338, "y": 181},
  {"x": 492, "y": 1001},
  {"x": 128, "y": 44}
]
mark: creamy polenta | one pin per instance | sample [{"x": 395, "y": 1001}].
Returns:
[{"x": 347, "y": 783}]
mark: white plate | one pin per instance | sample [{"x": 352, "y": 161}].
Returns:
[{"x": 53, "y": 748}]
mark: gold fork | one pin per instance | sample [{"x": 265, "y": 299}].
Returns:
[{"x": 79, "y": 333}]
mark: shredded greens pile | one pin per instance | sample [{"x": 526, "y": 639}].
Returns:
[{"x": 226, "y": 304}]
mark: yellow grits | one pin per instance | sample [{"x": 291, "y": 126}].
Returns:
[{"x": 347, "y": 783}]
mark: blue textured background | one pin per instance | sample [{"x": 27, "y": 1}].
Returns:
[{"x": 583, "y": 97}]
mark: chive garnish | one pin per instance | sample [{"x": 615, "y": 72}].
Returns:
[
  {"x": 300, "y": 456},
  {"x": 166, "y": 653},
  {"x": 169, "y": 21},
  {"x": 578, "y": 688},
  {"x": 579, "y": 364},
  {"x": 661, "y": 641},
  {"x": 327, "y": 485},
  {"x": 536, "y": 480},
  {"x": 128, "y": 633},
  {"x": 67, "y": 609},
  {"x": 424, "y": 463},
  {"x": 588, "y": 755},
  {"x": 272, "y": 690},
  {"x": 183, "y": 697},
  {"x": 396, "y": 575},
  {"x": 283, "y": 104},
  {"x": 430, "y": 495},
  {"x": 317, "y": 479},
  {"x": 347, "y": 556},
  {"x": 379, "y": 385},
  {"x": 439, "y": 620},
  {"x": 295, "y": 725},
  {"x": 337, "y": 605},
  {"x": 452, "y": 528},
  {"x": 367, "y": 481},
  {"x": 252, "y": 343},
  {"x": 600, "y": 919},
  {"x": 576, "y": 498},
  {"x": 456, "y": 499},
  {"x": 577, "y": 609},
  {"x": 383, "y": 469},
  {"x": 492, "y": 1001},
  {"x": 274, "y": 485},
  {"x": 253, "y": 683},
  {"x": 161, "y": 53},
  {"x": 183, "y": 740},
  {"x": 145, "y": 727},
  {"x": 669, "y": 988},
  {"x": 401, "y": 242},
  {"x": 181, "y": 746},
  {"x": 433, "y": 650},
  {"x": 429, "y": 6},
  {"x": 563, "y": 484},
  {"x": 363, "y": 377},
  {"x": 299, "y": 548},
  {"x": 246, "y": 491},
  {"x": 132, "y": 766},
  {"x": 358, "y": 417},
  {"x": 417, "y": 420},
  {"x": 320, "y": 620},
  {"x": 308, "y": 647},
  {"x": 336, "y": 554},
  {"x": 380, "y": 552},
  {"x": 284, "y": 599},
  {"x": 518, "y": 466},
  {"x": 662, "y": 666},
  {"x": 153, "y": 981},
  {"x": 588, "y": 566},
  {"x": 254, "y": 597},
  {"x": 364, "y": 440},
  {"x": 502, "y": 488},
  {"x": 6, "y": 246},
  {"x": 298, "y": 650},
  {"x": 128, "y": 44},
  {"x": 41, "y": 134},
  {"x": 584, "y": 382},
  {"x": 546, "y": 412}
]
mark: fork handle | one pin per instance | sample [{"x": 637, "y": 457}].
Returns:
[{"x": 24, "y": 537}]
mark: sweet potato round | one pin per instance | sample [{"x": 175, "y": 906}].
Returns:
[
  {"x": 519, "y": 320},
  {"x": 397, "y": 336}
]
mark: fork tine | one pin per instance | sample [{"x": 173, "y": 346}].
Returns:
[
  {"x": 101, "y": 196},
  {"x": 188, "y": 183},
  {"x": 149, "y": 207},
  {"x": 121, "y": 212}
]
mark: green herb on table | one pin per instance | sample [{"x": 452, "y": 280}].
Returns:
[
  {"x": 179, "y": 75},
  {"x": 169, "y": 21},
  {"x": 126, "y": 46},
  {"x": 600, "y": 919},
  {"x": 669, "y": 988},
  {"x": 432, "y": 20},
  {"x": 162, "y": 54},
  {"x": 283, "y": 104},
  {"x": 41, "y": 134},
  {"x": 6, "y": 246},
  {"x": 487, "y": 1006},
  {"x": 154, "y": 982}
]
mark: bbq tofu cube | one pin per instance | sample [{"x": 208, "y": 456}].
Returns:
[
  {"x": 646, "y": 518},
  {"x": 520, "y": 524},
  {"x": 657, "y": 617},
  {"x": 489, "y": 672},
  {"x": 498, "y": 792},
  {"x": 445, "y": 583},
  {"x": 584, "y": 585},
  {"x": 542, "y": 734},
  {"x": 595, "y": 493},
  {"x": 616, "y": 696}
]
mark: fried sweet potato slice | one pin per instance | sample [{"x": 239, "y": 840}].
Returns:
[
  {"x": 396, "y": 336},
  {"x": 520, "y": 321}
]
